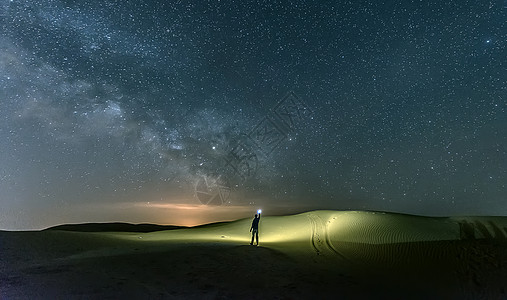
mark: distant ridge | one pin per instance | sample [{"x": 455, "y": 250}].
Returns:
[{"x": 114, "y": 227}]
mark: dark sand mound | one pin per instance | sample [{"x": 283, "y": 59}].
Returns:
[
  {"x": 321, "y": 254},
  {"x": 114, "y": 227}
]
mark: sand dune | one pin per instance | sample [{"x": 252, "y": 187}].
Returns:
[{"x": 323, "y": 254}]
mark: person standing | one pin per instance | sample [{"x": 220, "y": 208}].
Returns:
[{"x": 254, "y": 229}]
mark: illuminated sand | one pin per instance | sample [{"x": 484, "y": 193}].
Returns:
[{"x": 321, "y": 255}]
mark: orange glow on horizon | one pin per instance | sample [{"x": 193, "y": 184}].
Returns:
[{"x": 183, "y": 214}]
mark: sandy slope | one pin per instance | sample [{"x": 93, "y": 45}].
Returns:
[{"x": 321, "y": 254}]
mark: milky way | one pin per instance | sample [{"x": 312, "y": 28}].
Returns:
[{"x": 397, "y": 106}]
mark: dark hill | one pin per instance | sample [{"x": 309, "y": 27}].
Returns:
[{"x": 114, "y": 227}]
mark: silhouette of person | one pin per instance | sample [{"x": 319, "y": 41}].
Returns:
[{"x": 254, "y": 229}]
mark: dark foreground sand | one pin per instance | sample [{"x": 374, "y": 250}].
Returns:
[{"x": 316, "y": 255}]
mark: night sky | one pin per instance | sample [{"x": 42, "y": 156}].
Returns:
[{"x": 185, "y": 112}]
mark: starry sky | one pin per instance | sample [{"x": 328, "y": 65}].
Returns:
[{"x": 186, "y": 112}]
